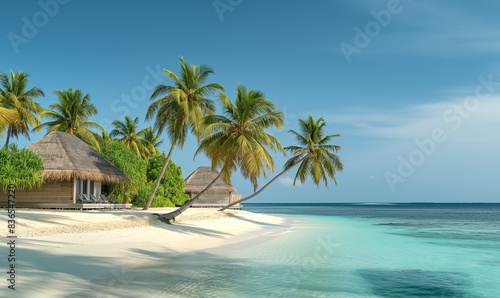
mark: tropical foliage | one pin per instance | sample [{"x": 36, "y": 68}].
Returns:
[
  {"x": 184, "y": 105},
  {"x": 315, "y": 155},
  {"x": 143, "y": 174},
  {"x": 71, "y": 115},
  {"x": 129, "y": 163},
  {"x": 7, "y": 116},
  {"x": 238, "y": 138},
  {"x": 15, "y": 97},
  {"x": 20, "y": 167},
  {"x": 135, "y": 140},
  {"x": 181, "y": 107},
  {"x": 171, "y": 188},
  {"x": 153, "y": 139},
  {"x": 318, "y": 158}
]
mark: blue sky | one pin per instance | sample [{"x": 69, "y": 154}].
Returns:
[{"x": 411, "y": 85}]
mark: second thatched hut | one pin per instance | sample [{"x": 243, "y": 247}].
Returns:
[{"x": 219, "y": 195}]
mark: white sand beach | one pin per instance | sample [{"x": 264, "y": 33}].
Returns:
[{"x": 59, "y": 253}]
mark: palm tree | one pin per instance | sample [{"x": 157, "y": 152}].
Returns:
[
  {"x": 238, "y": 139},
  {"x": 181, "y": 107},
  {"x": 316, "y": 157},
  {"x": 134, "y": 140},
  {"x": 14, "y": 96},
  {"x": 71, "y": 115},
  {"x": 7, "y": 116},
  {"x": 152, "y": 138}
]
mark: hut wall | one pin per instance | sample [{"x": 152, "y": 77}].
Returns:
[
  {"x": 214, "y": 198},
  {"x": 235, "y": 198},
  {"x": 51, "y": 192}
]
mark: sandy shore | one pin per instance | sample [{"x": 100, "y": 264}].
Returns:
[{"x": 59, "y": 253}]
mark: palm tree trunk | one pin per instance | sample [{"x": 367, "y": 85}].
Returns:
[
  {"x": 8, "y": 138},
  {"x": 166, "y": 218},
  {"x": 159, "y": 178},
  {"x": 260, "y": 190},
  {"x": 109, "y": 195}
]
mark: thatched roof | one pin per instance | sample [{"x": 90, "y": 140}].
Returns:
[
  {"x": 202, "y": 177},
  {"x": 67, "y": 157}
]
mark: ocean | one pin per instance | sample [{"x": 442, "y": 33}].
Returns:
[
  {"x": 346, "y": 250},
  {"x": 399, "y": 250}
]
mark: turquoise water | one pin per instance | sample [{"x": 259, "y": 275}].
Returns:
[{"x": 406, "y": 250}]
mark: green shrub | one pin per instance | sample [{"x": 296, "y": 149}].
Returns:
[
  {"x": 143, "y": 173},
  {"x": 20, "y": 167},
  {"x": 160, "y": 199},
  {"x": 170, "y": 192},
  {"x": 129, "y": 163}
]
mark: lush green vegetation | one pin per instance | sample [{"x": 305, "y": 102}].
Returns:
[
  {"x": 170, "y": 191},
  {"x": 15, "y": 97},
  {"x": 317, "y": 158},
  {"x": 20, "y": 167},
  {"x": 72, "y": 114},
  {"x": 133, "y": 139},
  {"x": 237, "y": 139},
  {"x": 7, "y": 116},
  {"x": 152, "y": 138},
  {"x": 123, "y": 158},
  {"x": 314, "y": 154},
  {"x": 181, "y": 107},
  {"x": 143, "y": 173}
]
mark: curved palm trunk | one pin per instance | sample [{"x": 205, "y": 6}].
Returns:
[
  {"x": 260, "y": 190},
  {"x": 109, "y": 195},
  {"x": 159, "y": 178},
  {"x": 8, "y": 137},
  {"x": 166, "y": 218}
]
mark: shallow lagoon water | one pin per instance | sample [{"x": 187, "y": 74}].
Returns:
[{"x": 340, "y": 250}]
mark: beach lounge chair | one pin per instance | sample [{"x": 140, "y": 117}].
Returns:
[
  {"x": 95, "y": 199},
  {"x": 83, "y": 199},
  {"x": 103, "y": 197},
  {"x": 86, "y": 196}
]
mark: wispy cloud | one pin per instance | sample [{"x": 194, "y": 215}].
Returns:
[
  {"x": 413, "y": 121},
  {"x": 439, "y": 28},
  {"x": 286, "y": 181}
]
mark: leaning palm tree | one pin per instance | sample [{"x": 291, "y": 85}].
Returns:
[
  {"x": 71, "y": 115},
  {"x": 135, "y": 140},
  {"x": 181, "y": 107},
  {"x": 317, "y": 158},
  {"x": 238, "y": 139},
  {"x": 152, "y": 138},
  {"x": 14, "y": 96}
]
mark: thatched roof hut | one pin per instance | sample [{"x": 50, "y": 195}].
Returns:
[
  {"x": 74, "y": 174},
  {"x": 202, "y": 177},
  {"x": 66, "y": 157},
  {"x": 218, "y": 196}
]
